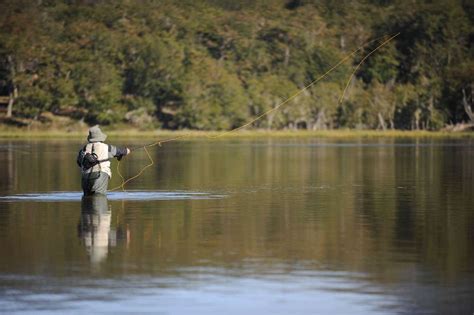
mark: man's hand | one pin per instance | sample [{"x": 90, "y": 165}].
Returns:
[{"x": 127, "y": 152}]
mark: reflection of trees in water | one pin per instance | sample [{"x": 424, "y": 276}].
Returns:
[
  {"x": 377, "y": 209},
  {"x": 8, "y": 165},
  {"x": 95, "y": 228},
  {"x": 368, "y": 208}
]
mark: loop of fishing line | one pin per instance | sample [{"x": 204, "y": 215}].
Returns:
[{"x": 160, "y": 142}]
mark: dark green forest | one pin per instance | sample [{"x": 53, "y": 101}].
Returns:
[{"x": 215, "y": 64}]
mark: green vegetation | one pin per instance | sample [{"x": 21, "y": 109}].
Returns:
[
  {"x": 215, "y": 64},
  {"x": 184, "y": 135}
]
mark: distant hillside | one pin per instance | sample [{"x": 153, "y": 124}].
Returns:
[{"x": 213, "y": 65}]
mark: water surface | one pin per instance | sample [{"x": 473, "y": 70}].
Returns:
[{"x": 243, "y": 226}]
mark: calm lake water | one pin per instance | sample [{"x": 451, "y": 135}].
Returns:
[{"x": 269, "y": 226}]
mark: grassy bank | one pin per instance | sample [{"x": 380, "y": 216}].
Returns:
[{"x": 164, "y": 134}]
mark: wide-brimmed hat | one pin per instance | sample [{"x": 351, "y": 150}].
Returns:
[{"x": 96, "y": 135}]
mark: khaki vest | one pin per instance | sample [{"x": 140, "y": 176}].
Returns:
[{"x": 102, "y": 151}]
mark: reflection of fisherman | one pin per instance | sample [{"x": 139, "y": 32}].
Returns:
[
  {"x": 94, "y": 161},
  {"x": 94, "y": 228}
]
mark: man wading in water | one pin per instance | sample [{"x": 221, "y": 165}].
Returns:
[{"x": 94, "y": 161}]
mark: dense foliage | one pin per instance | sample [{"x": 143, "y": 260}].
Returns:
[{"x": 216, "y": 64}]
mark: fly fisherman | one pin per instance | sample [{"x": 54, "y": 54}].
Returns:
[{"x": 94, "y": 161}]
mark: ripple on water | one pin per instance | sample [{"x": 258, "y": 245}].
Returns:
[{"x": 115, "y": 195}]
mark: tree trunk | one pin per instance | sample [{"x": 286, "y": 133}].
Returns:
[
  {"x": 417, "y": 120},
  {"x": 14, "y": 90},
  {"x": 342, "y": 42},
  {"x": 270, "y": 117},
  {"x": 382, "y": 122},
  {"x": 287, "y": 56},
  {"x": 467, "y": 106},
  {"x": 10, "y": 104},
  {"x": 431, "y": 109},
  {"x": 320, "y": 121}
]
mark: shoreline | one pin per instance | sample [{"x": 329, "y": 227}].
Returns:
[{"x": 195, "y": 134}]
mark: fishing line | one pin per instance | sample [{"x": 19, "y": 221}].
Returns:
[
  {"x": 160, "y": 142},
  {"x": 358, "y": 66},
  {"x": 125, "y": 181}
]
